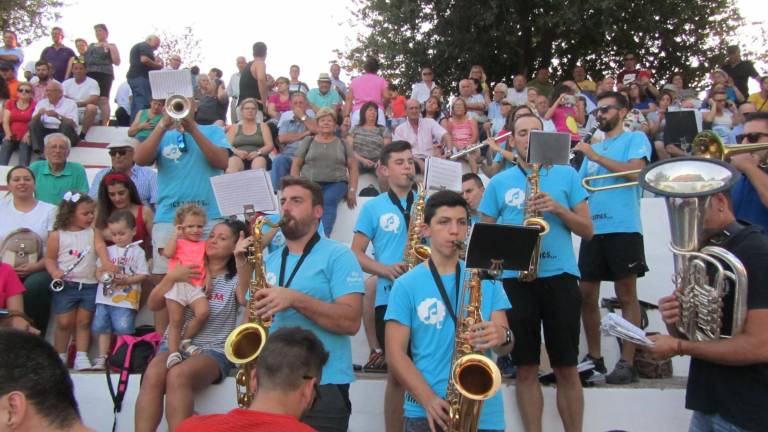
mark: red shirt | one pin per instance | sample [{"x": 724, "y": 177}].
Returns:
[
  {"x": 10, "y": 285},
  {"x": 19, "y": 118},
  {"x": 398, "y": 107},
  {"x": 239, "y": 420}
]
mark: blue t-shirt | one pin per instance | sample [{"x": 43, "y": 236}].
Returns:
[
  {"x": 384, "y": 225},
  {"x": 504, "y": 199},
  {"x": 747, "y": 205},
  {"x": 616, "y": 210},
  {"x": 184, "y": 178},
  {"x": 416, "y": 302},
  {"x": 278, "y": 240},
  {"x": 330, "y": 271}
]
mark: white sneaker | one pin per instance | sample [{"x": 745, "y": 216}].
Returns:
[
  {"x": 100, "y": 363},
  {"x": 82, "y": 363}
]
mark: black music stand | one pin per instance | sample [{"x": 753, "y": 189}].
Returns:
[
  {"x": 499, "y": 247},
  {"x": 549, "y": 148},
  {"x": 680, "y": 128}
]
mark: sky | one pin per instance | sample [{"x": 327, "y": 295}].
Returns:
[{"x": 306, "y": 33}]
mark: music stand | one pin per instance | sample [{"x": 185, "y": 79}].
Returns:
[
  {"x": 549, "y": 148},
  {"x": 680, "y": 129},
  {"x": 501, "y": 247}
]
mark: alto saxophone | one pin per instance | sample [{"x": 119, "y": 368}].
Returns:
[
  {"x": 247, "y": 340},
  {"x": 474, "y": 377},
  {"x": 415, "y": 253},
  {"x": 533, "y": 218}
]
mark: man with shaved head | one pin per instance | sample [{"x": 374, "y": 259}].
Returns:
[{"x": 142, "y": 60}]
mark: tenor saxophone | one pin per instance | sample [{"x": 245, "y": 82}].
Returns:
[
  {"x": 533, "y": 218},
  {"x": 474, "y": 377},
  {"x": 415, "y": 253},
  {"x": 245, "y": 342}
]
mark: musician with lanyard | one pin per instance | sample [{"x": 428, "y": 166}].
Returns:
[
  {"x": 315, "y": 283},
  {"x": 421, "y": 316},
  {"x": 553, "y": 298},
  {"x": 384, "y": 222}
]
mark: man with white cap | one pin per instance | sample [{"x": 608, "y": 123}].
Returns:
[
  {"x": 324, "y": 96},
  {"x": 145, "y": 178}
]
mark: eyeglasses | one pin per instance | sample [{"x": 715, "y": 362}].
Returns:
[
  {"x": 752, "y": 138},
  {"x": 603, "y": 109},
  {"x": 24, "y": 90},
  {"x": 316, "y": 387},
  {"x": 118, "y": 152}
]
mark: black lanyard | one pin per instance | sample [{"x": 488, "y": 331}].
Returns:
[
  {"x": 307, "y": 249},
  {"x": 408, "y": 204},
  {"x": 443, "y": 292}
]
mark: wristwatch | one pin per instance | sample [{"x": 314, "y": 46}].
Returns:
[{"x": 510, "y": 337}]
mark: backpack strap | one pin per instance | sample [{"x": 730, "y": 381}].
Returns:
[{"x": 122, "y": 383}]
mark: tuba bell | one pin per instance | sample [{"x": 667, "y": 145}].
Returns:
[
  {"x": 178, "y": 107},
  {"x": 703, "y": 275}
]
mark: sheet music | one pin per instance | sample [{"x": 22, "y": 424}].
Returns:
[
  {"x": 168, "y": 82},
  {"x": 236, "y": 190},
  {"x": 614, "y": 325},
  {"x": 442, "y": 174}
]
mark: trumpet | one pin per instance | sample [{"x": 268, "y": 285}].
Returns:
[
  {"x": 177, "y": 107},
  {"x": 477, "y": 146}
]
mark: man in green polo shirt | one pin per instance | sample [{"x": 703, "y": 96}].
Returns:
[{"x": 54, "y": 176}]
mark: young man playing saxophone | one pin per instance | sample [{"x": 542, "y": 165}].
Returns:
[
  {"x": 420, "y": 318},
  {"x": 552, "y": 298}
]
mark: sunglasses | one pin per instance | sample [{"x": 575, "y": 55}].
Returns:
[
  {"x": 24, "y": 90},
  {"x": 603, "y": 109},
  {"x": 752, "y": 138},
  {"x": 118, "y": 152},
  {"x": 317, "y": 390}
]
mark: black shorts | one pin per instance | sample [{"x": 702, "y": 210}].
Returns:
[
  {"x": 104, "y": 80},
  {"x": 379, "y": 313},
  {"x": 553, "y": 302},
  {"x": 612, "y": 257},
  {"x": 247, "y": 163}
]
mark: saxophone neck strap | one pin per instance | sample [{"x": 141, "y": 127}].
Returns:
[
  {"x": 408, "y": 204},
  {"x": 307, "y": 249},
  {"x": 443, "y": 293}
]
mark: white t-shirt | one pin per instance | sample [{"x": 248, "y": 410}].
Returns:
[
  {"x": 518, "y": 97},
  {"x": 82, "y": 91},
  {"x": 123, "y": 96},
  {"x": 39, "y": 219},
  {"x": 131, "y": 261}
]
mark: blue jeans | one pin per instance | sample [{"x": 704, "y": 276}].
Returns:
[
  {"x": 281, "y": 167},
  {"x": 142, "y": 94},
  {"x": 701, "y": 422},
  {"x": 333, "y": 193}
]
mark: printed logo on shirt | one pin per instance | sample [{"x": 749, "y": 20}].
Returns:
[
  {"x": 355, "y": 278},
  {"x": 389, "y": 222},
  {"x": 592, "y": 167},
  {"x": 172, "y": 152},
  {"x": 431, "y": 312},
  {"x": 515, "y": 198},
  {"x": 278, "y": 240},
  {"x": 271, "y": 278}
]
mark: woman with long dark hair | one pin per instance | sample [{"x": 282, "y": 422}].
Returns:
[{"x": 118, "y": 192}]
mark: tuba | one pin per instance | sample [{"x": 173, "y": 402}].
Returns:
[
  {"x": 703, "y": 276},
  {"x": 247, "y": 340},
  {"x": 474, "y": 377},
  {"x": 533, "y": 218},
  {"x": 415, "y": 252}
]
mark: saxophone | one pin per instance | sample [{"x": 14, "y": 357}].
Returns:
[
  {"x": 474, "y": 377},
  {"x": 533, "y": 218},
  {"x": 247, "y": 340},
  {"x": 415, "y": 253}
]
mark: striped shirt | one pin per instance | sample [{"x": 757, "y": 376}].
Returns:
[{"x": 144, "y": 178}]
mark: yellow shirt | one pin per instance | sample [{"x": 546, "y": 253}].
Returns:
[
  {"x": 587, "y": 85},
  {"x": 760, "y": 103}
]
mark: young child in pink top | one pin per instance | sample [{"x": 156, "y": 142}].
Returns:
[{"x": 185, "y": 248}]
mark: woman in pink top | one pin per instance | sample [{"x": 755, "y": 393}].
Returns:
[
  {"x": 563, "y": 106},
  {"x": 16, "y": 117},
  {"x": 279, "y": 102},
  {"x": 463, "y": 131},
  {"x": 368, "y": 87}
]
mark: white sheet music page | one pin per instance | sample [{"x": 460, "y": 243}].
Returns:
[
  {"x": 442, "y": 174},
  {"x": 234, "y": 191},
  {"x": 169, "y": 82}
]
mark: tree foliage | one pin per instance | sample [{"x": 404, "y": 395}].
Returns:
[
  {"x": 508, "y": 37},
  {"x": 28, "y": 18},
  {"x": 184, "y": 44}
]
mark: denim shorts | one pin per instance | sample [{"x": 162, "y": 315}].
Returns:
[
  {"x": 221, "y": 360},
  {"x": 74, "y": 295},
  {"x": 113, "y": 319}
]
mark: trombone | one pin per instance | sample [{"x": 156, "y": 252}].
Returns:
[{"x": 705, "y": 144}]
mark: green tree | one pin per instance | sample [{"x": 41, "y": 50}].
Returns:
[
  {"x": 518, "y": 36},
  {"x": 184, "y": 44},
  {"x": 29, "y": 18}
]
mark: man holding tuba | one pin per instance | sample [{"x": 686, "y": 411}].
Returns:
[
  {"x": 616, "y": 252},
  {"x": 421, "y": 322},
  {"x": 552, "y": 298},
  {"x": 728, "y": 378}
]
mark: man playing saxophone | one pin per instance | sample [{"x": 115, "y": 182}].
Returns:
[
  {"x": 315, "y": 283},
  {"x": 421, "y": 314},
  {"x": 552, "y": 298},
  {"x": 728, "y": 378}
]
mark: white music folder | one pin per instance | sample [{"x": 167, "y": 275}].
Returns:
[
  {"x": 245, "y": 189},
  {"x": 442, "y": 174},
  {"x": 168, "y": 82}
]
